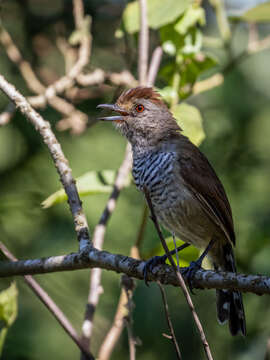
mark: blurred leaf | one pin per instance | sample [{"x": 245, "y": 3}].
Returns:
[
  {"x": 170, "y": 39},
  {"x": 8, "y": 311},
  {"x": 91, "y": 183},
  {"x": 193, "y": 15},
  {"x": 167, "y": 93},
  {"x": 260, "y": 13},
  {"x": 189, "y": 119},
  {"x": 159, "y": 13},
  {"x": 192, "y": 42},
  {"x": 191, "y": 68},
  {"x": 185, "y": 256}
]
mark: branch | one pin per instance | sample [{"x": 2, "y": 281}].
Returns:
[
  {"x": 179, "y": 278},
  {"x": 91, "y": 258},
  {"x": 50, "y": 305},
  {"x": 61, "y": 163},
  {"x": 98, "y": 239},
  {"x": 143, "y": 43},
  {"x": 154, "y": 66},
  {"x": 169, "y": 322},
  {"x": 222, "y": 20}
]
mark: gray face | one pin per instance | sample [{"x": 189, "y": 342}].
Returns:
[{"x": 142, "y": 121}]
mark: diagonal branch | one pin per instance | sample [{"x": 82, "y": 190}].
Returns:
[
  {"x": 60, "y": 161},
  {"x": 50, "y": 305},
  {"x": 143, "y": 43},
  {"x": 180, "y": 279},
  {"x": 98, "y": 239},
  {"x": 169, "y": 321}
]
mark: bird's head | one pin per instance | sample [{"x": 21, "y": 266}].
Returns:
[{"x": 142, "y": 116}]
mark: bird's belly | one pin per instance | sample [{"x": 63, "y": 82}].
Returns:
[{"x": 183, "y": 216}]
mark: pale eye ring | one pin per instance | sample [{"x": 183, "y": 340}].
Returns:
[{"x": 139, "y": 108}]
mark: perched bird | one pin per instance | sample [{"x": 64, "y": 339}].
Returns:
[{"x": 187, "y": 196}]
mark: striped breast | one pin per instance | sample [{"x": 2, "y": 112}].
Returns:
[
  {"x": 154, "y": 171},
  {"x": 174, "y": 205}
]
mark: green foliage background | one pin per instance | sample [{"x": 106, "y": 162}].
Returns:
[{"x": 237, "y": 127}]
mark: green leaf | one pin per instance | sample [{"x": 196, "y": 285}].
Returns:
[
  {"x": 8, "y": 311},
  {"x": 91, "y": 183},
  {"x": 191, "y": 68},
  {"x": 159, "y": 13},
  {"x": 260, "y": 13},
  {"x": 185, "y": 256},
  {"x": 189, "y": 119},
  {"x": 193, "y": 15}
]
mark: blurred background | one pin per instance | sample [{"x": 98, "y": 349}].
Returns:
[{"x": 235, "y": 118}]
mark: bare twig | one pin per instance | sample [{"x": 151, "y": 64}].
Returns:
[
  {"x": 208, "y": 279},
  {"x": 169, "y": 322},
  {"x": 154, "y": 65},
  {"x": 50, "y": 305},
  {"x": 25, "y": 68},
  {"x": 222, "y": 20},
  {"x": 143, "y": 43},
  {"x": 128, "y": 287},
  {"x": 76, "y": 119},
  {"x": 61, "y": 163},
  {"x": 98, "y": 239},
  {"x": 78, "y": 13},
  {"x": 180, "y": 279},
  {"x": 117, "y": 327}
]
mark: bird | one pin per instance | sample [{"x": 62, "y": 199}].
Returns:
[{"x": 187, "y": 196}]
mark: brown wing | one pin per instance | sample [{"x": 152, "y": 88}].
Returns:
[{"x": 202, "y": 180}]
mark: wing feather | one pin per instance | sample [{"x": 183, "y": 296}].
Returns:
[{"x": 201, "y": 179}]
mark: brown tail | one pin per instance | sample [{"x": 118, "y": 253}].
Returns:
[{"x": 229, "y": 303}]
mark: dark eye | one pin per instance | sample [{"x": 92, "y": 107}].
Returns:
[{"x": 139, "y": 108}]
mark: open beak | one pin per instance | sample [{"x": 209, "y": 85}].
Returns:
[{"x": 116, "y": 108}]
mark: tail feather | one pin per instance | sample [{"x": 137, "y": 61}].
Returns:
[{"x": 229, "y": 303}]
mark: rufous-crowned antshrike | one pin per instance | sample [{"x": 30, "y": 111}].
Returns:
[{"x": 186, "y": 194}]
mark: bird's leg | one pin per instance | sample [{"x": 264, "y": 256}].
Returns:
[
  {"x": 196, "y": 265},
  {"x": 157, "y": 260}
]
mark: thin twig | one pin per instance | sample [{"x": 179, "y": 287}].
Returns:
[
  {"x": 61, "y": 163},
  {"x": 142, "y": 226},
  {"x": 180, "y": 279},
  {"x": 24, "y": 66},
  {"x": 154, "y": 65},
  {"x": 222, "y": 20},
  {"x": 78, "y": 13},
  {"x": 117, "y": 327},
  {"x": 98, "y": 239},
  {"x": 77, "y": 119},
  {"x": 143, "y": 43},
  {"x": 128, "y": 287},
  {"x": 169, "y": 322},
  {"x": 50, "y": 305}
]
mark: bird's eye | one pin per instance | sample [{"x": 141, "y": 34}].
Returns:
[{"x": 139, "y": 108}]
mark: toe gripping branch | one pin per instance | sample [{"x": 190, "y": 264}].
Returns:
[{"x": 158, "y": 260}]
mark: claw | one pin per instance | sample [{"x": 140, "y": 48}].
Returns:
[
  {"x": 190, "y": 271},
  {"x": 150, "y": 264}
]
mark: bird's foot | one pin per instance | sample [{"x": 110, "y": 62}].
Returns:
[
  {"x": 151, "y": 263},
  {"x": 190, "y": 271}
]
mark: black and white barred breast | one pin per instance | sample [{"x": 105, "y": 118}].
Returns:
[{"x": 154, "y": 171}]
